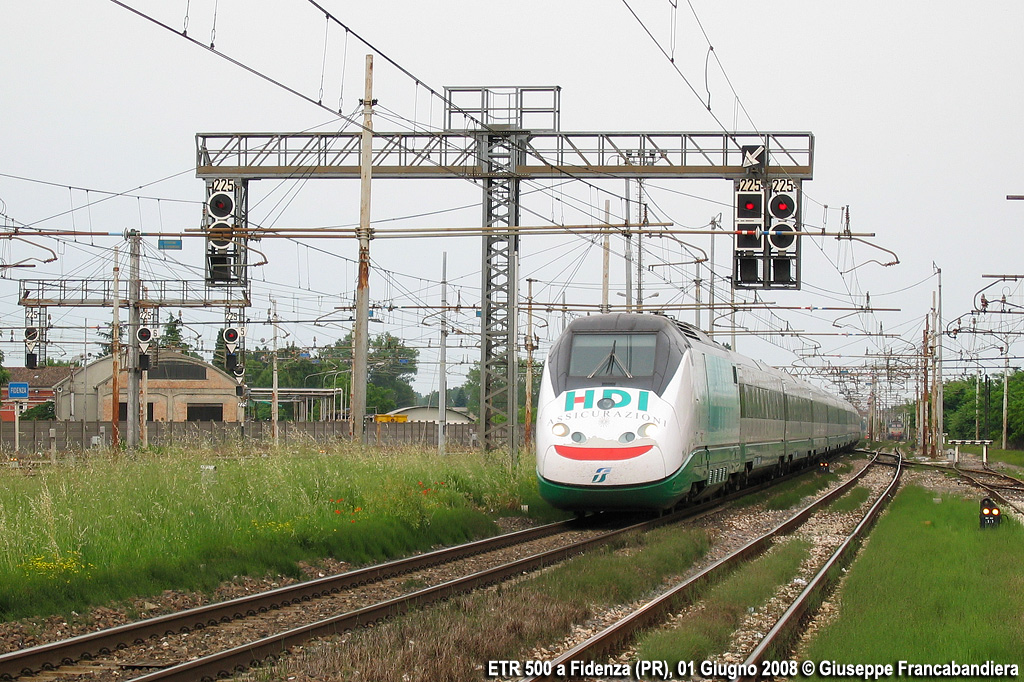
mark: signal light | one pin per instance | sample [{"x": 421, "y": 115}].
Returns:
[
  {"x": 782, "y": 206},
  {"x": 990, "y": 515},
  {"x": 749, "y": 206},
  {"x": 748, "y": 268},
  {"x": 221, "y": 205},
  {"x": 219, "y": 235},
  {"x": 749, "y": 221},
  {"x": 144, "y": 335},
  {"x": 231, "y": 338}
]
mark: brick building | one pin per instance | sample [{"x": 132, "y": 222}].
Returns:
[
  {"x": 179, "y": 388},
  {"x": 41, "y": 382}
]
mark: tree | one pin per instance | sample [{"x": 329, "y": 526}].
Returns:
[
  {"x": 172, "y": 339},
  {"x": 106, "y": 333},
  {"x": 41, "y": 412}
]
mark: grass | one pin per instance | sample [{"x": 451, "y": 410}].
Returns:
[
  {"x": 707, "y": 630},
  {"x": 451, "y": 641},
  {"x": 851, "y": 500},
  {"x": 785, "y": 495},
  {"x": 112, "y": 527},
  {"x": 930, "y": 587}
]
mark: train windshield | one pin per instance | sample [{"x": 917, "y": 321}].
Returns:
[{"x": 612, "y": 355}]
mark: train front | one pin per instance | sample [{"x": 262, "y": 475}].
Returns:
[{"x": 608, "y": 434}]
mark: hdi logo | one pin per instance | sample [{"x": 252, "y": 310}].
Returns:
[{"x": 618, "y": 396}]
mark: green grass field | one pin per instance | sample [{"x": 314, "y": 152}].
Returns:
[
  {"x": 931, "y": 587},
  {"x": 118, "y": 526}
]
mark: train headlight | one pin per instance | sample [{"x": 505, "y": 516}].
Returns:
[
  {"x": 560, "y": 430},
  {"x": 578, "y": 437},
  {"x": 627, "y": 437},
  {"x": 647, "y": 431}
]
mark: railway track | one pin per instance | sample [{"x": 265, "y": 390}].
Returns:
[
  {"x": 177, "y": 646},
  {"x": 615, "y": 637},
  {"x": 1005, "y": 489}
]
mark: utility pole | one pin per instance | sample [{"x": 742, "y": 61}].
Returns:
[
  {"x": 360, "y": 336},
  {"x": 115, "y": 358},
  {"x": 711, "y": 281},
  {"x": 135, "y": 413},
  {"x": 274, "y": 390},
  {"x": 442, "y": 386},
  {"x": 939, "y": 384},
  {"x": 977, "y": 411},
  {"x": 605, "y": 308},
  {"x": 528, "y": 431},
  {"x": 923, "y": 427},
  {"x": 1006, "y": 385},
  {"x": 642, "y": 221}
]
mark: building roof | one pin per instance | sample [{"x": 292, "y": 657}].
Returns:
[
  {"x": 430, "y": 413},
  {"x": 40, "y": 377},
  {"x": 172, "y": 366}
]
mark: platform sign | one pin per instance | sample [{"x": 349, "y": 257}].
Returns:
[{"x": 17, "y": 390}]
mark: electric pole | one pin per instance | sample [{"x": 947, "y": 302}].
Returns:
[
  {"x": 360, "y": 335},
  {"x": 442, "y": 387},
  {"x": 274, "y": 390},
  {"x": 529, "y": 362},
  {"x": 115, "y": 358},
  {"x": 135, "y": 413}
]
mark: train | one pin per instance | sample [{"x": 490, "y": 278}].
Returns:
[{"x": 644, "y": 412}]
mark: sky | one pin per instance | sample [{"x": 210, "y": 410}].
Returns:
[{"x": 914, "y": 108}]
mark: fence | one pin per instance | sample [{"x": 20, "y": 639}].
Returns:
[{"x": 42, "y": 436}]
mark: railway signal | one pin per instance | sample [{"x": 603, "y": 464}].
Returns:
[
  {"x": 144, "y": 336},
  {"x": 223, "y": 219},
  {"x": 990, "y": 515},
  {"x": 231, "y": 337},
  {"x": 750, "y": 221},
  {"x": 31, "y": 339},
  {"x": 783, "y": 242}
]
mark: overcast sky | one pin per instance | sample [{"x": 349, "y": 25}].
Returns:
[{"x": 915, "y": 108}]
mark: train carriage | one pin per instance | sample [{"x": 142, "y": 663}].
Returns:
[{"x": 643, "y": 412}]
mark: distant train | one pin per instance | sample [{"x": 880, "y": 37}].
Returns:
[
  {"x": 644, "y": 412},
  {"x": 896, "y": 430}
]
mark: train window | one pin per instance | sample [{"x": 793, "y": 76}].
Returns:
[{"x": 613, "y": 355}]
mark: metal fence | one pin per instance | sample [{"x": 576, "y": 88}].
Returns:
[{"x": 62, "y": 436}]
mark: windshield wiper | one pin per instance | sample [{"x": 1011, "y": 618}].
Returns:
[{"x": 608, "y": 364}]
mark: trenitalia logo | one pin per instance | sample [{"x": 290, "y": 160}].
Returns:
[{"x": 618, "y": 398}]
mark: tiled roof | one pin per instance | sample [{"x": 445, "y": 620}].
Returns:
[{"x": 41, "y": 377}]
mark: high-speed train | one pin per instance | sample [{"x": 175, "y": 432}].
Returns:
[{"x": 640, "y": 411}]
